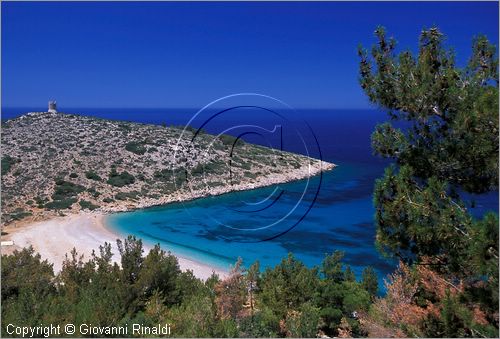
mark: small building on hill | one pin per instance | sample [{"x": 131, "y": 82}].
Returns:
[{"x": 52, "y": 107}]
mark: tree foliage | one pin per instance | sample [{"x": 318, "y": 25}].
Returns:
[
  {"x": 452, "y": 112},
  {"x": 443, "y": 136},
  {"x": 151, "y": 289}
]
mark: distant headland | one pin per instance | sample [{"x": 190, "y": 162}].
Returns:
[{"x": 55, "y": 163}]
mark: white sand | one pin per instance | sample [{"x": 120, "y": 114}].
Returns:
[{"x": 85, "y": 232}]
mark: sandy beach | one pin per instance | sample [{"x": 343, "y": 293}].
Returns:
[{"x": 55, "y": 237}]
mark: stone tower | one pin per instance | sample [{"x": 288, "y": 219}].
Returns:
[{"x": 52, "y": 107}]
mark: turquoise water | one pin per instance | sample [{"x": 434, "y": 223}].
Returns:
[
  {"x": 341, "y": 219},
  {"x": 341, "y": 216}
]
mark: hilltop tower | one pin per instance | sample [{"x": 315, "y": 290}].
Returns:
[{"x": 52, "y": 107}]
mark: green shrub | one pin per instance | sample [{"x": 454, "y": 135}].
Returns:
[
  {"x": 180, "y": 177},
  {"x": 120, "y": 196},
  {"x": 87, "y": 205},
  {"x": 65, "y": 189},
  {"x": 40, "y": 202},
  {"x": 7, "y": 162},
  {"x": 32, "y": 149},
  {"x": 92, "y": 176},
  {"x": 164, "y": 174},
  {"x": 73, "y": 175},
  {"x": 64, "y": 195},
  {"x": 198, "y": 170},
  {"x": 19, "y": 214},
  {"x": 126, "y": 195},
  {"x": 136, "y": 147},
  {"x": 229, "y": 140},
  {"x": 244, "y": 165},
  {"x": 125, "y": 127},
  {"x": 60, "y": 204},
  {"x": 250, "y": 175},
  {"x": 61, "y": 175},
  {"x": 213, "y": 167},
  {"x": 215, "y": 184},
  {"x": 191, "y": 129},
  {"x": 120, "y": 179},
  {"x": 94, "y": 192},
  {"x": 108, "y": 200}
]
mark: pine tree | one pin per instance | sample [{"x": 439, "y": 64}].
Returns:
[
  {"x": 448, "y": 147},
  {"x": 231, "y": 293},
  {"x": 369, "y": 281},
  {"x": 252, "y": 277}
]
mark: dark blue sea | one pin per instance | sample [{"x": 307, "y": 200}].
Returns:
[{"x": 309, "y": 218}]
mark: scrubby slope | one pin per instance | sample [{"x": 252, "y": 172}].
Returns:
[{"x": 53, "y": 163}]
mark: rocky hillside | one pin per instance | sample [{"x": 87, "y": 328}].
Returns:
[{"x": 55, "y": 163}]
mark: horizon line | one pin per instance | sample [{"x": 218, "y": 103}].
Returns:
[{"x": 179, "y": 107}]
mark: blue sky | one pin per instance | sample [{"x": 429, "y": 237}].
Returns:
[{"x": 90, "y": 54}]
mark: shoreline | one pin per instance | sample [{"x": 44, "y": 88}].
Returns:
[
  {"x": 56, "y": 237},
  {"x": 305, "y": 172}
]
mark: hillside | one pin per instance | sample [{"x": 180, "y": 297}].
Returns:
[{"x": 54, "y": 163}]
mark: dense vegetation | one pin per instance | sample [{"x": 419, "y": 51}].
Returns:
[
  {"x": 136, "y": 147},
  {"x": 446, "y": 150},
  {"x": 92, "y": 175},
  {"x": 64, "y": 195},
  {"x": 120, "y": 179},
  {"x": 287, "y": 300},
  {"x": 7, "y": 162}
]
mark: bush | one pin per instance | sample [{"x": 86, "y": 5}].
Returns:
[
  {"x": 126, "y": 195},
  {"x": 151, "y": 289},
  {"x": 92, "y": 176},
  {"x": 191, "y": 129},
  {"x": 173, "y": 178},
  {"x": 120, "y": 179},
  {"x": 164, "y": 175},
  {"x": 64, "y": 195},
  {"x": 19, "y": 214},
  {"x": 244, "y": 165},
  {"x": 93, "y": 192},
  {"x": 60, "y": 204},
  {"x": 198, "y": 170},
  {"x": 40, "y": 202},
  {"x": 213, "y": 167},
  {"x": 7, "y": 162},
  {"x": 136, "y": 147},
  {"x": 250, "y": 175},
  {"x": 108, "y": 200},
  {"x": 66, "y": 189},
  {"x": 303, "y": 323},
  {"x": 87, "y": 205},
  {"x": 73, "y": 175},
  {"x": 229, "y": 140}
]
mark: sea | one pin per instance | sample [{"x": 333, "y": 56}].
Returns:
[{"x": 309, "y": 218}]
